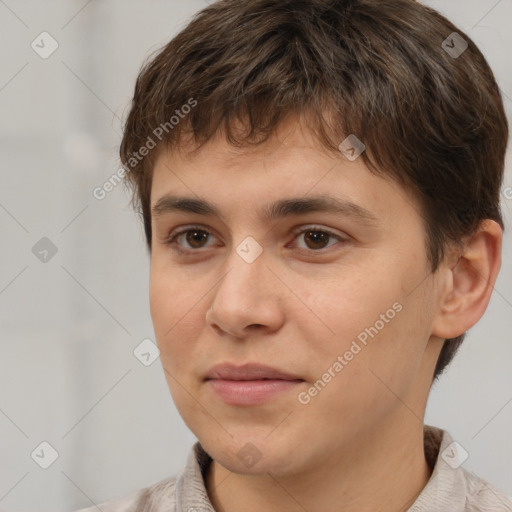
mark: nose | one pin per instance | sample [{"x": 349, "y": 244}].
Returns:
[{"x": 247, "y": 298}]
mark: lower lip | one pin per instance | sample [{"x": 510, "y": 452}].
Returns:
[{"x": 250, "y": 392}]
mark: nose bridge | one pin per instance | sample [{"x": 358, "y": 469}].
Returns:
[
  {"x": 244, "y": 297},
  {"x": 247, "y": 270}
]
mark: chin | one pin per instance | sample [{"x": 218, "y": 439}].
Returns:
[{"x": 250, "y": 455}]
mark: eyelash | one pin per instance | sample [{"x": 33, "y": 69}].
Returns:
[{"x": 171, "y": 240}]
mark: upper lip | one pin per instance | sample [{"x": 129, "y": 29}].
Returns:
[{"x": 251, "y": 371}]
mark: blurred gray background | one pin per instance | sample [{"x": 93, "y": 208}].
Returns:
[{"x": 71, "y": 320}]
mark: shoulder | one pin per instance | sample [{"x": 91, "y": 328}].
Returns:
[
  {"x": 452, "y": 487},
  {"x": 159, "y": 497},
  {"x": 482, "y": 495},
  {"x": 167, "y": 495}
]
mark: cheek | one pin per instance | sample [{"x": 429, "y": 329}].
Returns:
[
  {"x": 371, "y": 322},
  {"x": 161, "y": 304},
  {"x": 349, "y": 308},
  {"x": 168, "y": 308},
  {"x": 167, "y": 297},
  {"x": 171, "y": 324},
  {"x": 375, "y": 376}
]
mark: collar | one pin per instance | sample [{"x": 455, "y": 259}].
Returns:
[{"x": 446, "y": 489}]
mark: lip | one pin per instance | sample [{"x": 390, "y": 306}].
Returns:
[
  {"x": 250, "y": 371},
  {"x": 250, "y": 384}
]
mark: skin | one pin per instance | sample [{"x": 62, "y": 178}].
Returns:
[{"x": 358, "y": 444}]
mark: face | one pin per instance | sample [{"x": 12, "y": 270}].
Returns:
[{"x": 338, "y": 303}]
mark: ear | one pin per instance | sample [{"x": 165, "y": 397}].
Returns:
[{"x": 469, "y": 282}]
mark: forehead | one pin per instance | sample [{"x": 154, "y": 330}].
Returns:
[{"x": 290, "y": 166}]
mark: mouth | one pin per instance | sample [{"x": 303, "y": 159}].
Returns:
[
  {"x": 251, "y": 371},
  {"x": 250, "y": 384}
]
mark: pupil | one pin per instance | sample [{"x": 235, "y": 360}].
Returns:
[
  {"x": 317, "y": 236},
  {"x": 192, "y": 239}
]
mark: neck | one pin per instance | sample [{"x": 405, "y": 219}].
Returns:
[{"x": 385, "y": 470}]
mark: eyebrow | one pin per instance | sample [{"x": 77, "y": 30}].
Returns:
[{"x": 275, "y": 211}]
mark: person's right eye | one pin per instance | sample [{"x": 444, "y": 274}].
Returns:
[{"x": 195, "y": 235}]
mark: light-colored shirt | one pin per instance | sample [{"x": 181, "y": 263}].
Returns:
[{"x": 451, "y": 488}]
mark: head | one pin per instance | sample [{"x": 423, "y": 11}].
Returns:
[{"x": 246, "y": 107}]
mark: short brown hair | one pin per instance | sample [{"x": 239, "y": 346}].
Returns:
[{"x": 379, "y": 69}]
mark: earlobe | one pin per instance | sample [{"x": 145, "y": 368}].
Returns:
[{"x": 469, "y": 282}]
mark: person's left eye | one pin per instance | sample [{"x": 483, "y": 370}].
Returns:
[
  {"x": 318, "y": 236},
  {"x": 196, "y": 235}
]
